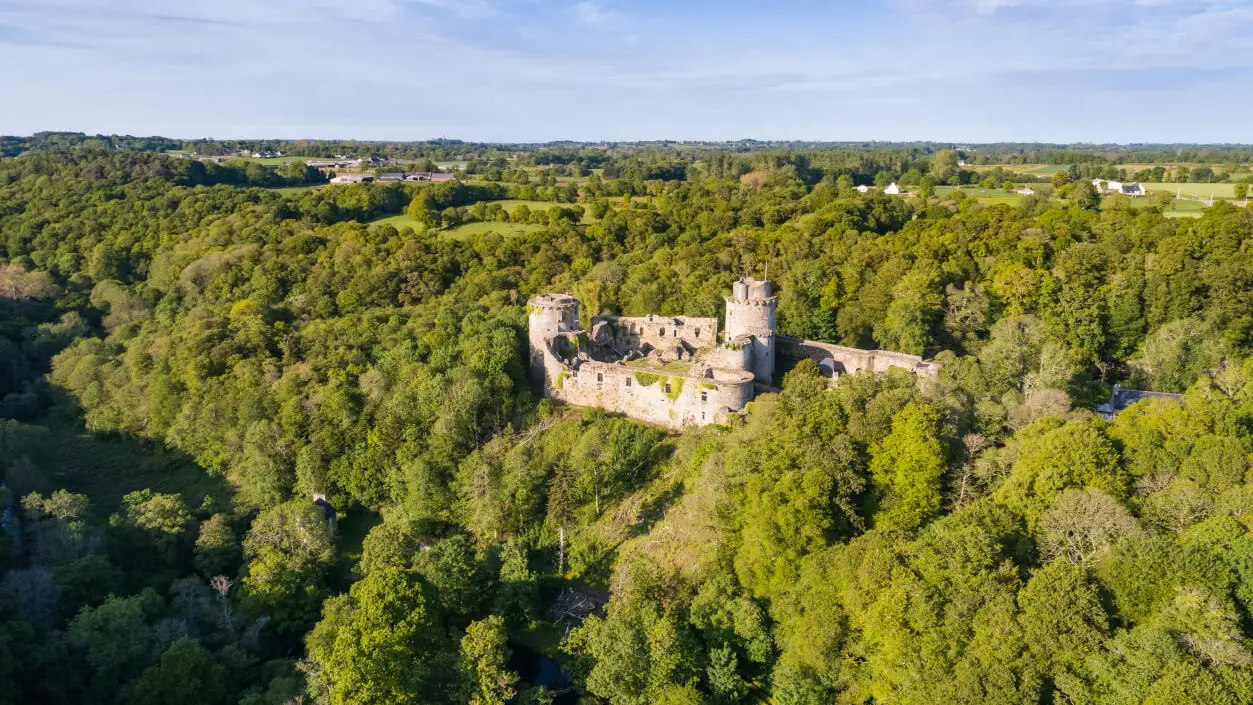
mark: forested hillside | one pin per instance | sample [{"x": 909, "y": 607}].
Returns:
[{"x": 186, "y": 360}]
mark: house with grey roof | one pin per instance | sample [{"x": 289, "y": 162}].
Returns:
[{"x": 1121, "y": 398}]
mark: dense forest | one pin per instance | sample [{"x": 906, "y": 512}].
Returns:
[{"x": 258, "y": 449}]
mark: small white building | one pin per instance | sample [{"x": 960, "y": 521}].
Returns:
[
  {"x": 353, "y": 179},
  {"x": 863, "y": 189},
  {"x": 1025, "y": 191},
  {"x": 1133, "y": 190},
  {"x": 892, "y": 189}
]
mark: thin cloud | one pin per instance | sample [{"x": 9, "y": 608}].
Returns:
[
  {"x": 590, "y": 12},
  {"x": 495, "y": 69}
]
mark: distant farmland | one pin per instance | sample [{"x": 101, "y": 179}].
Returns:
[{"x": 1195, "y": 190}]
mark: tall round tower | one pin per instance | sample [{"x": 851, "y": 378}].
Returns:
[
  {"x": 750, "y": 312},
  {"x": 550, "y": 314}
]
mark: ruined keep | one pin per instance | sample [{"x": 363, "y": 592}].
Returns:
[{"x": 673, "y": 370}]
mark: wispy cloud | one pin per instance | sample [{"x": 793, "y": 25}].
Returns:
[
  {"x": 592, "y": 12},
  {"x": 517, "y": 69}
]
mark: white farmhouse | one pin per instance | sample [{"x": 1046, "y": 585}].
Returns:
[
  {"x": 1104, "y": 187},
  {"x": 863, "y": 189},
  {"x": 1026, "y": 191},
  {"x": 892, "y": 189}
]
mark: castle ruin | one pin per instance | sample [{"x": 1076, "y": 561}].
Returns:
[{"x": 673, "y": 370}]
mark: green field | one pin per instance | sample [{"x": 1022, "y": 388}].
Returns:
[
  {"x": 1032, "y": 169},
  {"x": 511, "y": 205},
  {"x": 982, "y": 195},
  {"x": 462, "y": 232},
  {"x": 1195, "y": 190},
  {"x": 1186, "y": 209},
  {"x": 402, "y": 221},
  {"x": 272, "y": 161},
  {"x": 276, "y": 161},
  {"x": 292, "y": 190}
]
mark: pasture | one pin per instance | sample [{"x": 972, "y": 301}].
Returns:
[
  {"x": 982, "y": 195},
  {"x": 1223, "y": 191},
  {"x": 462, "y": 232},
  {"x": 276, "y": 161},
  {"x": 1029, "y": 169}
]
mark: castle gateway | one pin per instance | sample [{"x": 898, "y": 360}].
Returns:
[{"x": 673, "y": 370}]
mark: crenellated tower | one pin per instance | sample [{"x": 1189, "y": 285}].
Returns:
[{"x": 750, "y": 322}]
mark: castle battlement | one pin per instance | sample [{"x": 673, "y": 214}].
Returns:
[{"x": 672, "y": 370}]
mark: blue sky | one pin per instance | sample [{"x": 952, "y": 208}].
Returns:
[{"x": 537, "y": 70}]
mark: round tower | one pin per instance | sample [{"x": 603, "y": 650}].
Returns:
[
  {"x": 750, "y": 312},
  {"x": 550, "y": 314}
]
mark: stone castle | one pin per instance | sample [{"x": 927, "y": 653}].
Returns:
[{"x": 673, "y": 370}]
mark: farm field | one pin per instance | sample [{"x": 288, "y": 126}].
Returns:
[
  {"x": 276, "y": 161},
  {"x": 269, "y": 161},
  {"x": 1186, "y": 209},
  {"x": 1195, "y": 190},
  {"x": 982, "y": 195},
  {"x": 1031, "y": 169}
]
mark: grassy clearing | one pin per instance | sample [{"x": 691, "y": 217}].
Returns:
[
  {"x": 982, "y": 195},
  {"x": 462, "y": 232},
  {"x": 400, "y": 222},
  {"x": 292, "y": 190},
  {"x": 674, "y": 367},
  {"x": 511, "y": 205},
  {"x": 1186, "y": 209},
  {"x": 1032, "y": 169}
]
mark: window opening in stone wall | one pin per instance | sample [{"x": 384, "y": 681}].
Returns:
[
  {"x": 704, "y": 396},
  {"x": 600, "y": 377},
  {"x": 667, "y": 387},
  {"x": 628, "y": 381},
  {"x": 661, "y": 332},
  {"x": 698, "y": 332}
]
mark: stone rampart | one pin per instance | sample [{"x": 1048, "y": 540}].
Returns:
[
  {"x": 843, "y": 360},
  {"x": 654, "y": 395},
  {"x": 661, "y": 331}
]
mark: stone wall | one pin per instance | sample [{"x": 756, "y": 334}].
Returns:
[
  {"x": 661, "y": 331},
  {"x": 673, "y": 401},
  {"x": 853, "y": 360},
  {"x": 549, "y": 315}
]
